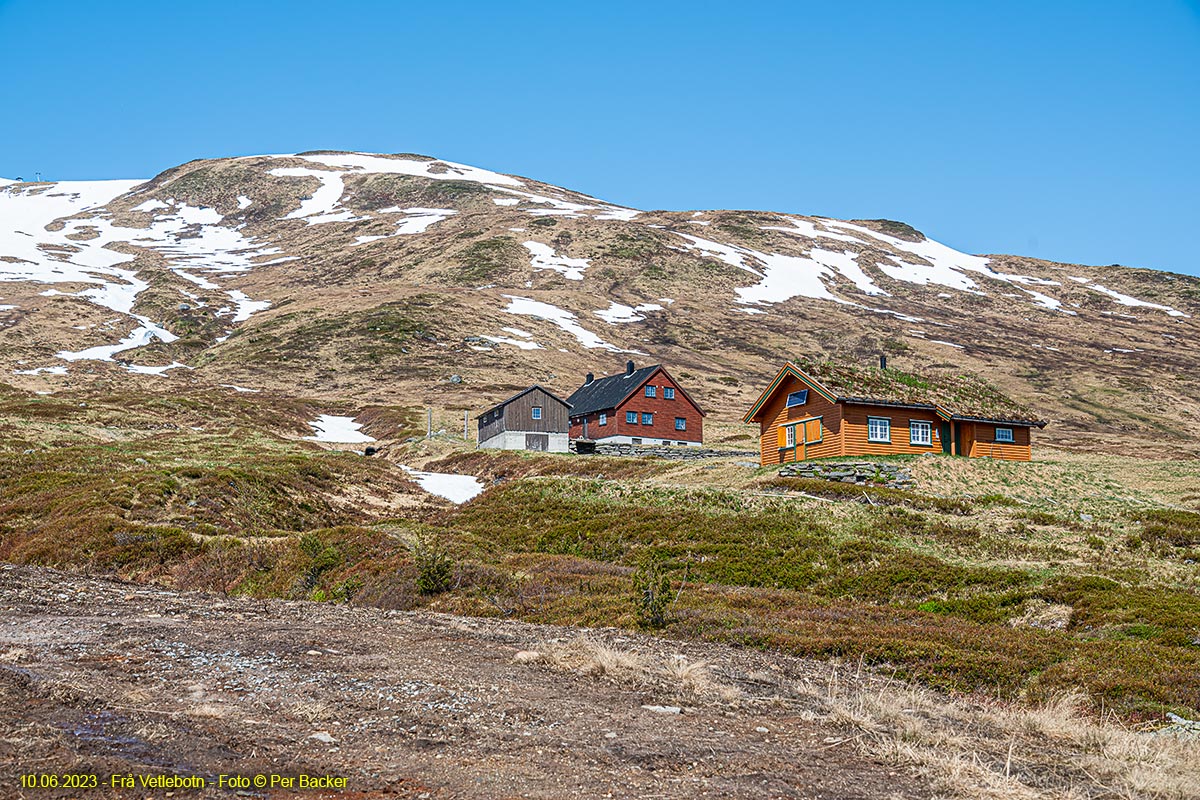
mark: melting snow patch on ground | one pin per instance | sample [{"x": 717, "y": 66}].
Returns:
[
  {"x": 566, "y": 208},
  {"x": 544, "y": 257},
  {"x": 524, "y": 345},
  {"x": 320, "y": 207},
  {"x": 457, "y": 489},
  {"x": 783, "y": 277},
  {"x": 337, "y": 430},
  {"x": 1125, "y": 299},
  {"x": 563, "y": 319},
  {"x": 618, "y": 313},
  {"x": 437, "y": 170},
  {"x": 417, "y": 220},
  {"x": 141, "y": 336},
  {"x": 59, "y": 370}
]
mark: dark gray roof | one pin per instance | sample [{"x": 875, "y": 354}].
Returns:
[
  {"x": 521, "y": 393},
  {"x": 605, "y": 393}
]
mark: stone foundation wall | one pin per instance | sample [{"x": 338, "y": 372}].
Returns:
[
  {"x": 862, "y": 472},
  {"x": 676, "y": 453}
]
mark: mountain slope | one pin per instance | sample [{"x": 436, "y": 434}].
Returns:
[{"x": 375, "y": 279}]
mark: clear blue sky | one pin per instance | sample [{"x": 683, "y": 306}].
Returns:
[{"x": 1065, "y": 130}]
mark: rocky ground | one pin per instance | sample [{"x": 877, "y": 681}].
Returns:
[{"x": 104, "y": 677}]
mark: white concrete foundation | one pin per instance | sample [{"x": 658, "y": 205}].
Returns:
[{"x": 515, "y": 440}]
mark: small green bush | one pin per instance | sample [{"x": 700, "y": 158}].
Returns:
[
  {"x": 651, "y": 594},
  {"x": 435, "y": 567}
]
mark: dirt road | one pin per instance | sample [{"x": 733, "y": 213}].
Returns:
[{"x": 105, "y": 678}]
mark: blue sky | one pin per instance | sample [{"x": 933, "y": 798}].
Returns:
[{"x": 1064, "y": 130}]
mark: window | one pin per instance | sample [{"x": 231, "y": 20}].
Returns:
[
  {"x": 790, "y": 434},
  {"x": 603, "y": 418},
  {"x": 920, "y": 433},
  {"x": 537, "y": 412},
  {"x": 647, "y": 418},
  {"x": 636, "y": 441},
  {"x": 1004, "y": 434},
  {"x": 651, "y": 391},
  {"x": 631, "y": 417},
  {"x": 668, "y": 393},
  {"x": 797, "y": 398},
  {"x": 879, "y": 429},
  {"x": 681, "y": 423}
]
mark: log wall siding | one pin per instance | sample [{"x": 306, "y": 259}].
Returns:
[
  {"x": 854, "y": 431},
  {"x": 984, "y": 444},
  {"x": 518, "y": 416},
  {"x": 775, "y": 413},
  {"x": 846, "y": 430},
  {"x": 665, "y": 412}
]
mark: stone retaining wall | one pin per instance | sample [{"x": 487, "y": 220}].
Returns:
[
  {"x": 675, "y": 453},
  {"x": 863, "y": 472}
]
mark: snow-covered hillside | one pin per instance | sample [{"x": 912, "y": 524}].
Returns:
[{"x": 546, "y": 269}]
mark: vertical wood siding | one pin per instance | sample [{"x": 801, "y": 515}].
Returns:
[{"x": 518, "y": 416}]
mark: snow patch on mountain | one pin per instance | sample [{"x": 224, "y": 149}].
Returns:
[
  {"x": 418, "y": 220},
  {"x": 618, "y": 313},
  {"x": 563, "y": 319},
  {"x": 79, "y": 251},
  {"x": 1125, "y": 299},
  {"x": 437, "y": 170},
  {"x": 545, "y": 257}
]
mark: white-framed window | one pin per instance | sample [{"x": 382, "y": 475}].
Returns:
[
  {"x": 668, "y": 393},
  {"x": 879, "y": 429},
  {"x": 1004, "y": 434},
  {"x": 631, "y": 417},
  {"x": 790, "y": 435},
  {"x": 651, "y": 391},
  {"x": 636, "y": 441},
  {"x": 797, "y": 398},
  {"x": 536, "y": 411},
  {"x": 647, "y": 418},
  {"x": 920, "y": 433},
  {"x": 681, "y": 423},
  {"x": 603, "y": 418}
]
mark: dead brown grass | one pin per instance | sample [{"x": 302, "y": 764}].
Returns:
[{"x": 970, "y": 748}]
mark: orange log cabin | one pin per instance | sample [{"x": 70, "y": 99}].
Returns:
[{"x": 814, "y": 410}]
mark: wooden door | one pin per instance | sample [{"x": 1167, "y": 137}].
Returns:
[{"x": 537, "y": 441}]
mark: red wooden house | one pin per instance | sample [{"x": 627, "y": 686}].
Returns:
[
  {"x": 639, "y": 406},
  {"x": 814, "y": 410}
]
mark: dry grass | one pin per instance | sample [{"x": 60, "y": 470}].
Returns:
[
  {"x": 682, "y": 680},
  {"x": 311, "y": 710},
  {"x": 970, "y": 747}
]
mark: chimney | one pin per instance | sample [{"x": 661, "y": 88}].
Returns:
[
  {"x": 590, "y": 377},
  {"x": 628, "y": 368},
  {"x": 883, "y": 362}
]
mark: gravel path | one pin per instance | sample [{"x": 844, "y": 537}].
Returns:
[{"x": 104, "y": 677}]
